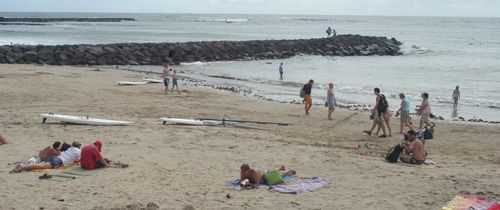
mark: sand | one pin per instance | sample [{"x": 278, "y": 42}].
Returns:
[{"x": 176, "y": 167}]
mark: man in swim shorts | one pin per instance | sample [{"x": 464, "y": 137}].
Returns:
[
  {"x": 68, "y": 157},
  {"x": 307, "y": 96},
  {"x": 257, "y": 177},
  {"x": 414, "y": 150}
]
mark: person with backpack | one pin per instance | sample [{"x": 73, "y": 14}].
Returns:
[
  {"x": 307, "y": 95},
  {"x": 378, "y": 113},
  {"x": 414, "y": 152}
]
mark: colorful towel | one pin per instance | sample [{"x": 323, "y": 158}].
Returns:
[
  {"x": 236, "y": 182},
  {"x": 468, "y": 202},
  {"x": 306, "y": 184}
]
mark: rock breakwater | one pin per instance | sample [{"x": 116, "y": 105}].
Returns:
[{"x": 158, "y": 53}]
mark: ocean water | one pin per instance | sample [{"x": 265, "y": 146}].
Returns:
[{"x": 439, "y": 54}]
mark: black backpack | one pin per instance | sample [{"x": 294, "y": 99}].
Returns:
[
  {"x": 393, "y": 154},
  {"x": 383, "y": 104}
]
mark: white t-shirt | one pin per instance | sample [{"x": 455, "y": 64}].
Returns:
[{"x": 70, "y": 156}]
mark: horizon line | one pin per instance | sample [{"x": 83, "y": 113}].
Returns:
[{"x": 213, "y": 13}]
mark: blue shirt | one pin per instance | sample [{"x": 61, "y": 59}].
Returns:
[{"x": 406, "y": 105}]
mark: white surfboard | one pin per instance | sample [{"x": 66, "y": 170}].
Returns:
[
  {"x": 131, "y": 83},
  {"x": 82, "y": 120},
  {"x": 153, "y": 80},
  {"x": 179, "y": 121}
]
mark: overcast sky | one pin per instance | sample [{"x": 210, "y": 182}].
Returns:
[{"x": 475, "y": 8}]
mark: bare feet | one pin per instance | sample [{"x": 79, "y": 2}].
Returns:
[
  {"x": 330, "y": 118},
  {"x": 16, "y": 169},
  {"x": 368, "y": 132}
]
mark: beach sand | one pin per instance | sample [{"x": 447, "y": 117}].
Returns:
[{"x": 179, "y": 167}]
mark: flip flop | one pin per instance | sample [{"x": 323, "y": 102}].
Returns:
[{"x": 45, "y": 176}]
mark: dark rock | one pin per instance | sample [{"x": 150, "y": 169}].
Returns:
[{"x": 158, "y": 53}]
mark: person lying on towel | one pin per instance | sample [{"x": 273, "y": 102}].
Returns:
[
  {"x": 66, "y": 158},
  {"x": 91, "y": 157},
  {"x": 255, "y": 177},
  {"x": 414, "y": 150}
]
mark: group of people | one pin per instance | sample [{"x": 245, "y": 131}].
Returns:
[
  {"x": 381, "y": 113},
  {"x": 331, "y": 102},
  {"x": 61, "y": 154},
  {"x": 167, "y": 73},
  {"x": 330, "y": 32}
]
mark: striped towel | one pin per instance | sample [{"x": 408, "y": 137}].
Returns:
[{"x": 302, "y": 185}]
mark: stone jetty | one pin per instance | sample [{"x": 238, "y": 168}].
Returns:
[{"x": 158, "y": 53}]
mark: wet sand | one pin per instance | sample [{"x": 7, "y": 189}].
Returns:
[{"x": 177, "y": 167}]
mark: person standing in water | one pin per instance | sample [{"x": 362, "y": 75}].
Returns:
[
  {"x": 281, "y": 71},
  {"x": 174, "y": 82},
  {"x": 456, "y": 96},
  {"x": 166, "y": 76},
  {"x": 330, "y": 101}
]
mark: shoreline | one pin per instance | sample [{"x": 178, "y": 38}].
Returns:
[
  {"x": 360, "y": 108},
  {"x": 178, "y": 166}
]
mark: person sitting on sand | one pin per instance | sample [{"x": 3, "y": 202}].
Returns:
[
  {"x": 307, "y": 95},
  {"x": 2, "y": 140},
  {"x": 414, "y": 152},
  {"x": 91, "y": 157},
  {"x": 257, "y": 177},
  {"x": 174, "y": 82},
  {"x": 66, "y": 158}
]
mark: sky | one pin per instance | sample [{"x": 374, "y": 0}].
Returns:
[{"x": 459, "y": 8}]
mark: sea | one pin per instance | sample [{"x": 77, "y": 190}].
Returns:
[{"x": 439, "y": 53}]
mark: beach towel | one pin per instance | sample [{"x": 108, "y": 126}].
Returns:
[
  {"x": 303, "y": 185},
  {"x": 236, "y": 182},
  {"x": 470, "y": 202}
]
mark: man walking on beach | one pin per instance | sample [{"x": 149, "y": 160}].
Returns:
[
  {"x": 307, "y": 95},
  {"x": 281, "y": 71},
  {"x": 378, "y": 114},
  {"x": 166, "y": 76}
]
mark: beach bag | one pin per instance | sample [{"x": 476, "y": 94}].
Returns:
[
  {"x": 426, "y": 133},
  {"x": 301, "y": 94},
  {"x": 273, "y": 178},
  {"x": 382, "y": 108},
  {"x": 393, "y": 154}
]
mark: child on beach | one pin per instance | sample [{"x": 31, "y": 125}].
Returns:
[
  {"x": 404, "y": 110},
  {"x": 425, "y": 111},
  {"x": 166, "y": 76},
  {"x": 174, "y": 82},
  {"x": 330, "y": 100}
]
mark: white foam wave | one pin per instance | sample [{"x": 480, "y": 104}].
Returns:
[
  {"x": 225, "y": 20},
  {"x": 410, "y": 49},
  {"x": 196, "y": 63}
]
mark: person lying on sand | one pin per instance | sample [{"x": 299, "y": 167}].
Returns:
[
  {"x": 414, "y": 150},
  {"x": 66, "y": 158},
  {"x": 91, "y": 157},
  {"x": 2, "y": 140},
  {"x": 50, "y": 151},
  {"x": 257, "y": 177}
]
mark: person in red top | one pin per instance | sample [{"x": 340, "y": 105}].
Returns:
[{"x": 91, "y": 157}]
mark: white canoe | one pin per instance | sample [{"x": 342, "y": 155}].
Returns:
[
  {"x": 82, "y": 120},
  {"x": 153, "y": 80},
  {"x": 131, "y": 83}
]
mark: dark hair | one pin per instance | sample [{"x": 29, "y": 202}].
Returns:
[
  {"x": 76, "y": 144},
  {"x": 311, "y": 81},
  {"x": 425, "y": 95},
  {"x": 56, "y": 144},
  {"x": 377, "y": 90},
  {"x": 245, "y": 167},
  {"x": 65, "y": 146},
  {"x": 411, "y": 132},
  {"x": 402, "y": 95}
]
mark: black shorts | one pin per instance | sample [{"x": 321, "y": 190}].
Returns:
[{"x": 416, "y": 162}]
